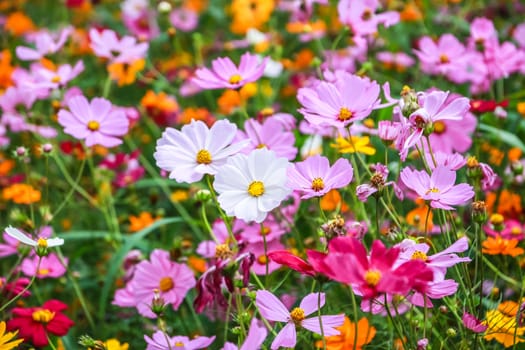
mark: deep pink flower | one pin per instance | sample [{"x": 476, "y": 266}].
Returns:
[
  {"x": 292, "y": 261},
  {"x": 437, "y": 188},
  {"x": 126, "y": 166},
  {"x": 96, "y": 122},
  {"x": 472, "y": 323},
  {"x": 347, "y": 262},
  {"x": 172, "y": 281},
  {"x": 273, "y": 309},
  {"x": 441, "y": 57},
  {"x": 349, "y": 99},
  {"x": 314, "y": 177},
  {"x": 512, "y": 229},
  {"x": 224, "y": 73},
  {"x": 261, "y": 259},
  {"x": 453, "y": 135}
]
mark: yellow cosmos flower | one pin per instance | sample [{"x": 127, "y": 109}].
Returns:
[
  {"x": 503, "y": 329},
  {"x": 359, "y": 144},
  {"x": 6, "y": 342}
]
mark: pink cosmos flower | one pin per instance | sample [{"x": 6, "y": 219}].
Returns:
[
  {"x": 171, "y": 280},
  {"x": 127, "y": 168},
  {"x": 512, "y": 229},
  {"x": 519, "y": 34},
  {"x": 453, "y": 161},
  {"x": 472, "y": 323},
  {"x": 349, "y": 99},
  {"x": 347, "y": 261},
  {"x": 196, "y": 150},
  {"x": 159, "y": 341},
  {"x": 440, "y": 57},
  {"x": 271, "y": 135},
  {"x": 434, "y": 108},
  {"x": 59, "y": 77},
  {"x": 255, "y": 338},
  {"x": 250, "y": 186},
  {"x": 224, "y": 73},
  {"x": 314, "y": 177},
  {"x": 184, "y": 19},
  {"x": 273, "y": 309},
  {"x": 453, "y": 135},
  {"x": 362, "y": 18},
  {"x": 437, "y": 188},
  {"x": 125, "y": 50},
  {"x": 377, "y": 182},
  {"x": 96, "y": 122},
  {"x": 50, "y": 266},
  {"x": 271, "y": 229},
  {"x": 45, "y": 44}
]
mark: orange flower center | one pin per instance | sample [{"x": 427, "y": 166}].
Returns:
[
  {"x": 166, "y": 284},
  {"x": 419, "y": 255},
  {"x": 344, "y": 114},
  {"x": 262, "y": 259},
  {"x": 235, "y": 79},
  {"x": 178, "y": 344},
  {"x": 439, "y": 127},
  {"x": 93, "y": 125},
  {"x": 43, "y": 272},
  {"x": 443, "y": 58},
  {"x": 264, "y": 231},
  {"x": 372, "y": 277},
  {"x": 516, "y": 230},
  {"x": 43, "y": 315},
  {"x": 203, "y": 157},
  {"x": 297, "y": 316},
  {"x": 317, "y": 184},
  {"x": 256, "y": 189},
  {"x": 55, "y": 79}
]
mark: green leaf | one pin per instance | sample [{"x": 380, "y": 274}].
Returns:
[{"x": 505, "y": 136}]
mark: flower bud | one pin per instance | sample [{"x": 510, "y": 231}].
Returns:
[
  {"x": 479, "y": 212},
  {"x": 157, "y": 304},
  {"x": 497, "y": 221},
  {"x": 203, "y": 196},
  {"x": 164, "y": 7},
  {"x": 517, "y": 168},
  {"x": 451, "y": 332}
]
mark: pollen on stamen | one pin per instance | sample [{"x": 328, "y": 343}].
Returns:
[
  {"x": 344, "y": 114},
  {"x": 256, "y": 189},
  {"x": 317, "y": 184},
  {"x": 42, "y": 243},
  {"x": 203, "y": 157},
  {"x": 235, "y": 79},
  {"x": 93, "y": 125},
  {"x": 419, "y": 255}
]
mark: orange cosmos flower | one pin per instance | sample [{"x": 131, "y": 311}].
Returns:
[
  {"x": 5, "y": 70},
  {"x": 191, "y": 113},
  {"x": 509, "y": 204},
  {"x": 503, "y": 328},
  {"x": 19, "y": 24},
  {"x": 332, "y": 201},
  {"x": 417, "y": 217},
  {"x": 125, "y": 73},
  {"x": 21, "y": 194},
  {"x": 500, "y": 246},
  {"x": 348, "y": 339},
  {"x": 143, "y": 220}
]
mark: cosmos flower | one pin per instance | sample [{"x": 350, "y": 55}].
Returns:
[
  {"x": 159, "y": 341},
  {"x": 273, "y": 309},
  {"x": 224, "y": 73},
  {"x": 255, "y": 338},
  {"x": 314, "y": 177},
  {"x": 250, "y": 186},
  {"x": 7, "y": 341},
  {"x": 96, "y": 122},
  {"x": 21, "y": 237},
  {"x": 196, "y": 150},
  {"x": 437, "y": 188}
]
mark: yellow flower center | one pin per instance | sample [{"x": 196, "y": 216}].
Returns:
[
  {"x": 496, "y": 219},
  {"x": 297, "y": 316},
  {"x": 43, "y": 272},
  {"x": 166, "y": 284},
  {"x": 439, "y": 127},
  {"x": 43, "y": 315},
  {"x": 372, "y": 277},
  {"x": 235, "y": 79},
  {"x": 265, "y": 230},
  {"x": 256, "y": 189},
  {"x": 203, "y": 157},
  {"x": 419, "y": 255},
  {"x": 42, "y": 243},
  {"x": 261, "y": 145},
  {"x": 222, "y": 251},
  {"x": 262, "y": 259},
  {"x": 178, "y": 344},
  {"x": 432, "y": 190},
  {"x": 93, "y": 125},
  {"x": 56, "y": 79},
  {"x": 344, "y": 114},
  {"x": 516, "y": 230},
  {"x": 317, "y": 184},
  {"x": 443, "y": 58}
]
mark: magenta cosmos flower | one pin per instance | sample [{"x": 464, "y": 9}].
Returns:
[
  {"x": 273, "y": 309},
  {"x": 437, "y": 188},
  {"x": 224, "y": 73},
  {"x": 159, "y": 341},
  {"x": 350, "y": 98},
  {"x": 196, "y": 150},
  {"x": 96, "y": 122},
  {"x": 170, "y": 280},
  {"x": 314, "y": 177},
  {"x": 347, "y": 261}
]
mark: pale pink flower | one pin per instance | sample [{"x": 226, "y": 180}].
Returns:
[
  {"x": 45, "y": 44},
  {"x": 159, "y": 341},
  {"x": 125, "y": 50},
  {"x": 261, "y": 258},
  {"x": 271, "y": 135},
  {"x": 96, "y": 122},
  {"x": 362, "y": 18},
  {"x": 255, "y": 338},
  {"x": 273, "y": 309},
  {"x": 50, "y": 266}
]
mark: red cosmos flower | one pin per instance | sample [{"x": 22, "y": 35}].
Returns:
[
  {"x": 34, "y": 323},
  {"x": 294, "y": 262},
  {"x": 482, "y": 106},
  {"x": 347, "y": 261}
]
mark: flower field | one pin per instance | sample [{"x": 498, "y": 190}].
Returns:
[{"x": 262, "y": 174}]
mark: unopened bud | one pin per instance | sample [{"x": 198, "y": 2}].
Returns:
[
  {"x": 21, "y": 152},
  {"x": 157, "y": 304},
  {"x": 451, "y": 332},
  {"x": 479, "y": 212},
  {"x": 164, "y": 7},
  {"x": 517, "y": 168},
  {"x": 203, "y": 196}
]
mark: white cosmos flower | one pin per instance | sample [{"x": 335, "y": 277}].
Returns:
[
  {"x": 252, "y": 185},
  {"x": 41, "y": 242}
]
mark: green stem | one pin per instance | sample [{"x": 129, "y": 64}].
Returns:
[{"x": 16, "y": 297}]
